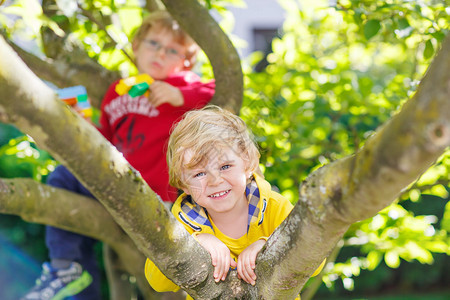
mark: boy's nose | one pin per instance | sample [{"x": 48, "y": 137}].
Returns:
[
  {"x": 214, "y": 179},
  {"x": 161, "y": 51}
]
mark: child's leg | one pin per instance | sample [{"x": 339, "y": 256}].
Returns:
[
  {"x": 66, "y": 247},
  {"x": 72, "y": 272}
]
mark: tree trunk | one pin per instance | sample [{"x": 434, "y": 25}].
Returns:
[{"x": 217, "y": 46}]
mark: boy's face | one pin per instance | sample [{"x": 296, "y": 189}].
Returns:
[
  {"x": 218, "y": 184},
  {"x": 158, "y": 54}
]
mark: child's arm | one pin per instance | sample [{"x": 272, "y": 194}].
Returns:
[
  {"x": 192, "y": 96},
  {"x": 197, "y": 94},
  {"x": 220, "y": 255},
  {"x": 246, "y": 261}
]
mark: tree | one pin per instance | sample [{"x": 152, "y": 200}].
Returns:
[
  {"x": 335, "y": 75},
  {"x": 328, "y": 204}
]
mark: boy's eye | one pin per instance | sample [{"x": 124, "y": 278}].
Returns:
[
  {"x": 171, "y": 51},
  {"x": 154, "y": 44},
  {"x": 199, "y": 174},
  {"x": 224, "y": 167}
]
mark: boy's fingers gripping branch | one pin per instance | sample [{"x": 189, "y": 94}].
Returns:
[
  {"x": 246, "y": 262},
  {"x": 226, "y": 205},
  {"x": 220, "y": 254}
]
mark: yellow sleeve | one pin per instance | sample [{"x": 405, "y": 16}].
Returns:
[
  {"x": 157, "y": 280},
  {"x": 280, "y": 209}
]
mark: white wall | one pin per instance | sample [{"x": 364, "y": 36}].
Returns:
[{"x": 262, "y": 14}]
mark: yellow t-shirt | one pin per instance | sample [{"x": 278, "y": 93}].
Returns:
[{"x": 267, "y": 209}]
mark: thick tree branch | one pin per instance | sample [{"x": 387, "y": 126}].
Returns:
[
  {"x": 195, "y": 19},
  {"x": 62, "y": 73},
  {"x": 153, "y": 5},
  {"x": 39, "y": 203}
]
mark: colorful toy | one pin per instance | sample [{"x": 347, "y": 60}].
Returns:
[
  {"x": 135, "y": 86},
  {"x": 76, "y": 95}
]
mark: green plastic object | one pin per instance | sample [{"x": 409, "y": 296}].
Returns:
[{"x": 138, "y": 89}]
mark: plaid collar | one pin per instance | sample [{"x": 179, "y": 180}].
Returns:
[
  {"x": 194, "y": 215},
  {"x": 254, "y": 204}
]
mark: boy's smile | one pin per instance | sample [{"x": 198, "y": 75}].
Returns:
[
  {"x": 218, "y": 184},
  {"x": 220, "y": 194}
]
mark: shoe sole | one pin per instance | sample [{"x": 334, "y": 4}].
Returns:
[{"x": 74, "y": 287}]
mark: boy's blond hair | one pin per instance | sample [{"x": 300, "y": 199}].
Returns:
[
  {"x": 163, "y": 21},
  {"x": 202, "y": 131}
]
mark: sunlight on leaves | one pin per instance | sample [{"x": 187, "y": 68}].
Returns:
[{"x": 392, "y": 259}]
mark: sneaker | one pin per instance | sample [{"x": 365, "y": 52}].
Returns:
[{"x": 57, "y": 284}]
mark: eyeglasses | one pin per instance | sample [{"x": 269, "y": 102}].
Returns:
[{"x": 155, "y": 46}]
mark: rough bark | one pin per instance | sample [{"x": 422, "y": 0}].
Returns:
[
  {"x": 70, "y": 61},
  {"x": 195, "y": 19},
  {"x": 359, "y": 186},
  {"x": 64, "y": 73},
  {"x": 39, "y": 203},
  {"x": 152, "y": 5}
]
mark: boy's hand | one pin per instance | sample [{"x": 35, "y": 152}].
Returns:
[
  {"x": 162, "y": 92},
  {"x": 246, "y": 262},
  {"x": 220, "y": 255}
]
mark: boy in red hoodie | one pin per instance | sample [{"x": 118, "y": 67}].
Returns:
[{"x": 139, "y": 127}]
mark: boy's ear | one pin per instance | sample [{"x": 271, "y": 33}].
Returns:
[
  {"x": 247, "y": 163},
  {"x": 248, "y": 170},
  {"x": 135, "y": 45},
  {"x": 187, "y": 65}
]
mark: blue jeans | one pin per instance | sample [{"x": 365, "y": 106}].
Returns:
[
  {"x": 67, "y": 245},
  {"x": 72, "y": 246}
]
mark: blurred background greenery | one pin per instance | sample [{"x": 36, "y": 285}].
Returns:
[{"x": 337, "y": 71}]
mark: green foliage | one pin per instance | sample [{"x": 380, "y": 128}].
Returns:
[
  {"x": 104, "y": 28},
  {"x": 335, "y": 75},
  {"x": 21, "y": 158}
]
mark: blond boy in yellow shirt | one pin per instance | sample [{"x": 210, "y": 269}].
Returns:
[{"x": 226, "y": 205}]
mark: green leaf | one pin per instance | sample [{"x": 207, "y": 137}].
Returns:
[
  {"x": 371, "y": 28},
  {"x": 445, "y": 223},
  {"x": 403, "y": 23},
  {"x": 429, "y": 50}
]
